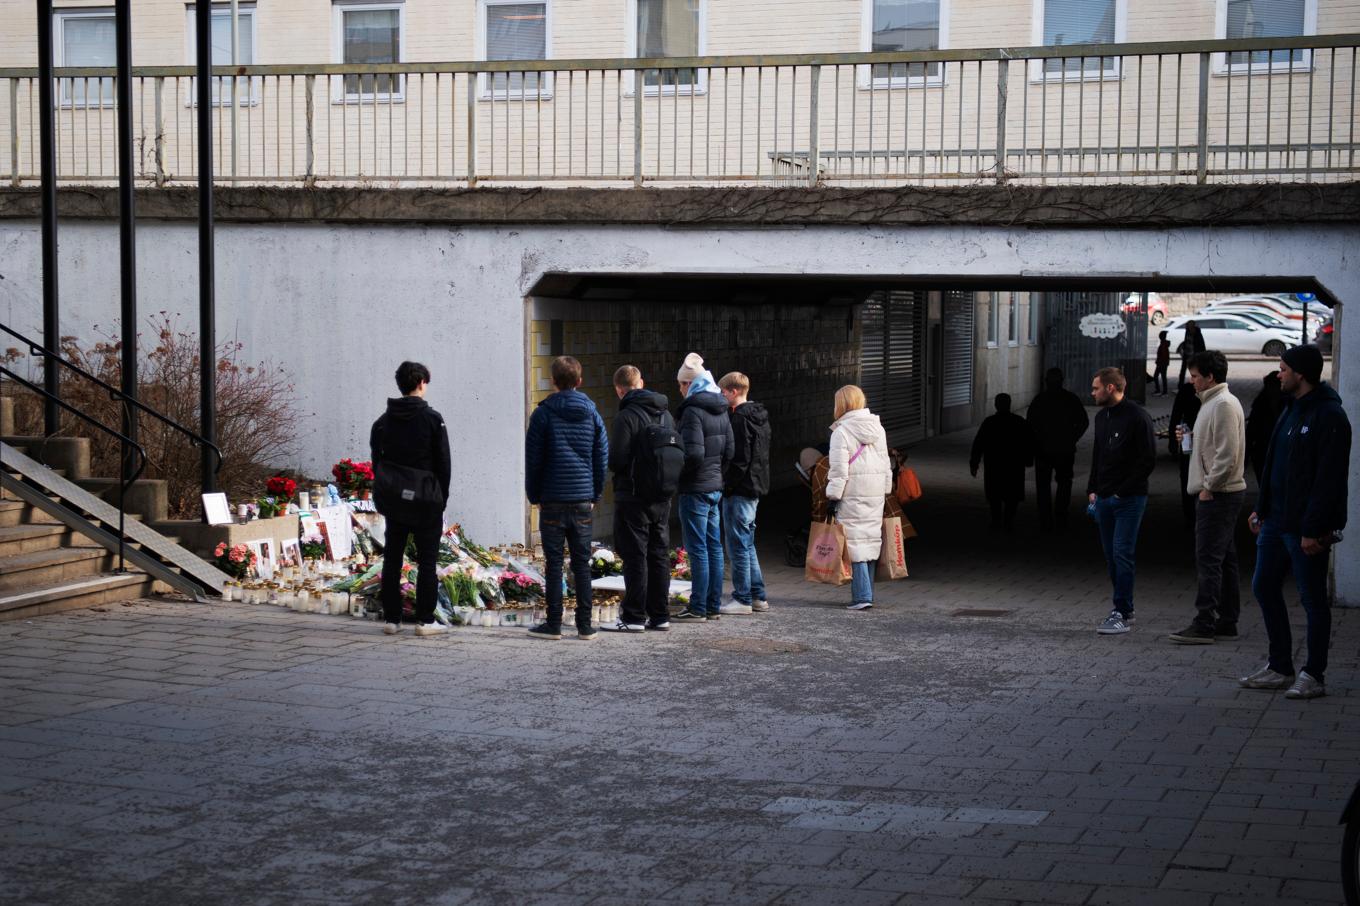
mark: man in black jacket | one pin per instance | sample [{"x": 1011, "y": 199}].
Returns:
[
  {"x": 1057, "y": 419},
  {"x": 1301, "y": 507},
  {"x": 706, "y": 433},
  {"x": 412, "y": 434},
  {"x": 745, "y": 480},
  {"x": 1123, "y": 459},
  {"x": 1004, "y": 447},
  {"x": 641, "y": 525}
]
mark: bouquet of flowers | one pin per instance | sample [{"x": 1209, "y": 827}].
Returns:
[
  {"x": 313, "y": 547},
  {"x": 269, "y": 507},
  {"x": 352, "y": 476},
  {"x": 604, "y": 562},
  {"x": 235, "y": 561},
  {"x": 281, "y": 487},
  {"x": 517, "y": 587},
  {"x": 680, "y": 564},
  {"x": 461, "y": 588}
]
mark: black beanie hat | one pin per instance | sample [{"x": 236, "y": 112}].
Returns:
[{"x": 1306, "y": 360}]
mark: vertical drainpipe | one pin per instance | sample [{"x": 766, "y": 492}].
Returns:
[
  {"x": 48, "y": 154},
  {"x": 127, "y": 230},
  {"x": 207, "y": 314}
]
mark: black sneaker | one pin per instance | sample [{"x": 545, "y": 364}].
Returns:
[
  {"x": 1194, "y": 634},
  {"x": 587, "y": 634},
  {"x": 688, "y": 616},
  {"x": 659, "y": 625},
  {"x": 1225, "y": 632},
  {"x": 544, "y": 631},
  {"x": 713, "y": 617}
]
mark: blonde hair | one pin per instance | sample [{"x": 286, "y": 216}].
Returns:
[
  {"x": 848, "y": 399},
  {"x": 627, "y": 376},
  {"x": 735, "y": 380}
]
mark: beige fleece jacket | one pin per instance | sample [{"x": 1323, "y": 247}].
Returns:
[{"x": 1218, "y": 448}]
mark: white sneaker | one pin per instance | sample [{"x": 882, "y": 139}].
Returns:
[
  {"x": 431, "y": 629},
  {"x": 1306, "y": 686},
  {"x": 1265, "y": 678},
  {"x": 734, "y": 607},
  {"x": 391, "y": 628},
  {"x": 760, "y": 606},
  {"x": 862, "y": 605},
  {"x": 621, "y": 626}
]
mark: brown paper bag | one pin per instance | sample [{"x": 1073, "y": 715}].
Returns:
[
  {"x": 892, "y": 559},
  {"x": 827, "y": 557}
]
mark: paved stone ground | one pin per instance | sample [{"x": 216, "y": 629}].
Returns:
[{"x": 163, "y": 752}]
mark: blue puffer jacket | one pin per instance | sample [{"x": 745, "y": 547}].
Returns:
[{"x": 565, "y": 451}]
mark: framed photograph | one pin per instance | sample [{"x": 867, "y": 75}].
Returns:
[
  {"x": 216, "y": 510},
  {"x": 265, "y": 554},
  {"x": 290, "y": 552}
]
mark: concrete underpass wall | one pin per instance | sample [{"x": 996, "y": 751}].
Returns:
[{"x": 341, "y": 304}]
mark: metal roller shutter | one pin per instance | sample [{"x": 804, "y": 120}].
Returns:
[
  {"x": 893, "y": 362},
  {"x": 958, "y": 348}
]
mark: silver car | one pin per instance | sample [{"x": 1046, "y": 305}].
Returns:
[{"x": 1234, "y": 334}]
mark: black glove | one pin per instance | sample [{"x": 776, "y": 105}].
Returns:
[{"x": 831, "y": 506}]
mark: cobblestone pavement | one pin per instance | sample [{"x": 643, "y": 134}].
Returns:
[{"x": 163, "y": 752}]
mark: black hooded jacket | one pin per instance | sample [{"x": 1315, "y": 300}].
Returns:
[
  {"x": 412, "y": 434},
  {"x": 1318, "y": 452},
  {"x": 706, "y": 434},
  {"x": 637, "y": 409},
  {"x": 748, "y": 474}
]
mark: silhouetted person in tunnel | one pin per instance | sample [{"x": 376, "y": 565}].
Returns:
[
  {"x": 1265, "y": 412},
  {"x": 1057, "y": 420},
  {"x": 1003, "y": 446},
  {"x": 1191, "y": 345},
  {"x": 1184, "y": 410}
]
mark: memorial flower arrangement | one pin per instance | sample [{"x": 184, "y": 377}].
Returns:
[
  {"x": 313, "y": 547},
  {"x": 278, "y": 492},
  {"x": 353, "y": 477},
  {"x": 604, "y": 562},
  {"x": 520, "y": 588},
  {"x": 235, "y": 561},
  {"x": 680, "y": 564}
]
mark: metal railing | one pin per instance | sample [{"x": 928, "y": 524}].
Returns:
[{"x": 1269, "y": 109}]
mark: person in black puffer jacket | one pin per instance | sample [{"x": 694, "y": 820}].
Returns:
[
  {"x": 745, "y": 481},
  {"x": 565, "y": 451},
  {"x": 706, "y": 433},
  {"x": 412, "y": 434}
]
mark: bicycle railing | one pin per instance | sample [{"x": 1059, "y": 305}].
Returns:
[
  {"x": 37, "y": 350},
  {"x": 125, "y": 480}
]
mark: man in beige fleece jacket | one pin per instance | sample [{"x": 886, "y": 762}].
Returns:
[{"x": 1217, "y": 461}]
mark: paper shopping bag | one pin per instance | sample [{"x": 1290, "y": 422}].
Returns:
[
  {"x": 827, "y": 558},
  {"x": 892, "y": 559}
]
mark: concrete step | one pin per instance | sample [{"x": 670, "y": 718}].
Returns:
[
  {"x": 68, "y": 455},
  {"x": 25, "y": 539},
  {"x": 147, "y": 498},
  {"x": 73, "y": 594},
  {"x": 17, "y": 512},
  {"x": 23, "y": 571}
]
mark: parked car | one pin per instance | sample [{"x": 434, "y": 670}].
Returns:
[
  {"x": 1234, "y": 334},
  {"x": 1264, "y": 317},
  {"x": 1156, "y": 307},
  {"x": 1284, "y": 308}
]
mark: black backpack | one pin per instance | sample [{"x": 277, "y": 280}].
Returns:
[{"x": 658, "y": 458}]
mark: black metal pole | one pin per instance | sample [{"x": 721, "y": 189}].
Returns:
[
  {"x": 207, "y": 309},
  {"x": 48, "y": 154},
  {"x": 127, "y": 231}
]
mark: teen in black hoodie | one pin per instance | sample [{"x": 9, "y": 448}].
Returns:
[{"x": 745, "y": 480}]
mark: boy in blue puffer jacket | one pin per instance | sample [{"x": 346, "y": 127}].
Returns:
[{"x": 565, "y": 452}]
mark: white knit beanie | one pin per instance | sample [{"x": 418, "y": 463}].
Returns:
[{"x": 693, "y": 367}]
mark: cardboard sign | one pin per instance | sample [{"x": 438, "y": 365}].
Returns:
[{"x": 333, "y": 525}]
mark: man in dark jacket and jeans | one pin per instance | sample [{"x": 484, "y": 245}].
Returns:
[
  {"x": 706, "y": 433},
  {"x": 1058, "y": 420},
  {"x": 412, "y": 434},
  {"x": 1124, "y": 456},
  {"x": 641, "y": 526},
  {"x": 745, "y": 480},
  {"x": 1302, "y": 505},
  {"x": 565, "y": 452}
]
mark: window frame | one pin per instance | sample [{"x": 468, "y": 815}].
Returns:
[
  {"x": 1034, "y": 311},
  {"x": 1221, "y": 67},
  {"x": 544, "y": 91},
  {"x": 993, "y": 320},
  {"x": 341, "y": 95},
  {"x": 700, "y": 85},
  {"x": 1012, "y": 320},
  {"x": 248, "y": 94},
  {"x": 66, "y": 95},
  {"x": 863, "y": 74},
  {"x": 1037, "y": 73}
]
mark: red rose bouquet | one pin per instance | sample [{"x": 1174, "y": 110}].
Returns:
[{"x": 352, "y": 476}]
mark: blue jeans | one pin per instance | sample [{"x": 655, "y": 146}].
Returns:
[
  {"x": 567, "y": 525},
  {"x": 1277, "y": 551},
  {"x": 1119, "y": 519},
  {"x": 739, "y": 528},
  {"x": 703, "y": 542},
  {"x": 862, "y": 581}
]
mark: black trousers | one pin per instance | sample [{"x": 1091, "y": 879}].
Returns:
[
  {"x": 1159, "y": 379},
  {"x": 427, "y": 550},
  {"x": 642, "y": 539},
  {"x": 569, "y": 526},
  {"x": 1003, "y": 511},
  {"x": 1218, "y": 600},
  {"x": 1053, "y": 507}
]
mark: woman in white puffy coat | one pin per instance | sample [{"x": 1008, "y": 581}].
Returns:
[{"x": 860, "y": 478}]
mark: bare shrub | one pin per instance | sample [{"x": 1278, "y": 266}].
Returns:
[{"x": 257, "y": 411}]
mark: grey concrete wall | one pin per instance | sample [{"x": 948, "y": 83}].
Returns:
[{"x": 341, "y": 304}]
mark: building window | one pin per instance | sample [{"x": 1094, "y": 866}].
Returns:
[
  {"x": 1265, "y": 19},
  {"x": 247, "y": 90},
  {"x": 369, "y": 33},
  {"x": 669, "y": 28},
  {"x": 514, "y": 30},
  {"x": 1012, "y": 321},
  {"x": 993, "y": 318},
  {"x": 1034, "y": 319},
  {"x": 1059, "y": 22},
  {"x": 900, "y": 25},
  {"x": 84, "y": 39}
]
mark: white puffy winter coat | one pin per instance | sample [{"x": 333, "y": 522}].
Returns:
[{"x": 860, "y": 486}]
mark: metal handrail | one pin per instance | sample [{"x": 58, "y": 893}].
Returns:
[
  {"x": 128, "y": 442},
  {"x": 37, "y": 349},
  {"x": 952, "y": 55}
]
